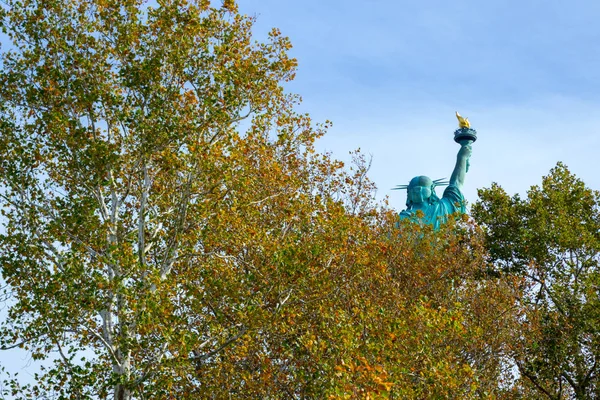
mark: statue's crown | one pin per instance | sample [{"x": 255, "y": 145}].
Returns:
[{"x": 435, "y": 183}]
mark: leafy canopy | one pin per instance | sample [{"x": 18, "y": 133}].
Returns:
[
  {"x": 169, "y": 230},
  {"x": 550, "y": 241}
]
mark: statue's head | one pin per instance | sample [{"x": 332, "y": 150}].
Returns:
[{"x": 421, "y": 189}]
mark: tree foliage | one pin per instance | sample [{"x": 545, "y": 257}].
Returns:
[
  {"x": 551, "y": 242},
  {"x": 170, "y": 232}
]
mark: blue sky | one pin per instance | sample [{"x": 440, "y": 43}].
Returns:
[{"x": 390, "y": 75}]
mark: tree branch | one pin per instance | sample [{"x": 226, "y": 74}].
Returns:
[
  {"x": 21, "y": 343},
  {"x": 535, "y": 382},
  {"x": 201, "y": 357}
]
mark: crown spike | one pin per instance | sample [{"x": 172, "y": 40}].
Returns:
[{"x": 436, "y": 182}]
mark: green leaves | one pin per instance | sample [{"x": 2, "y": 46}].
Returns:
[{"x": 551, "y": 240}]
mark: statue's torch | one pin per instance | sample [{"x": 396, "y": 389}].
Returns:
[{"x": 464, "y": 135}]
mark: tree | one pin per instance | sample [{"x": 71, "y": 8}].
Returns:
[
  {"x": 135, "y": 209},
  {"x": 170, "y": 232},
  {"x": 550, "y": 241},
  {"x": 437, "y": 329}
]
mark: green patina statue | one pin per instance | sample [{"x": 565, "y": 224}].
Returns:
[{"x": 421, "y": 194}]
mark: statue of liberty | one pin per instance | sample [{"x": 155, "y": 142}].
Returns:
[{"x": 421, "y": 194}]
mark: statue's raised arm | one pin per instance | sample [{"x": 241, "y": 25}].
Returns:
[
  {"x": 422, "y": 203},
  {"x": 462, "y": 165}
]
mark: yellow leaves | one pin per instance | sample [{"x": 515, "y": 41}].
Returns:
[
  {"x": 204, "y": 5},
  {"x": 384, "y": 386},
  {"x": 275, "y": 32},
  {"x": 230, "y": 5}
]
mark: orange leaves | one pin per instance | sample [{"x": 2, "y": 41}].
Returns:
[
  {"x": 190, "y": 97},
  {"x": 360, "y": 378}
]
